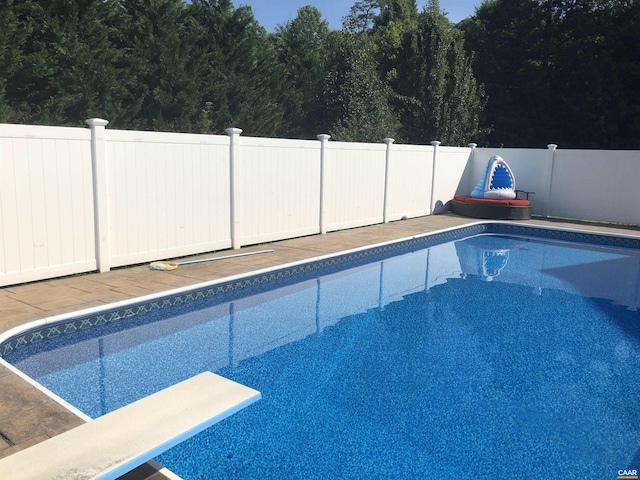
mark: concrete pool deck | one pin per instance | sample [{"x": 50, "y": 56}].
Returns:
[{"x": 28, "y": 416}]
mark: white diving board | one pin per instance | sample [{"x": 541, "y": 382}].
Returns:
[{"x": 116, "y": 443}]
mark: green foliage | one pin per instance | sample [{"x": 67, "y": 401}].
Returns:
[
  {"x": 452, "y": 100},
  {"x": 362, "y": 15},
  {"x": 356, "y": 100},
  {"x": 422, "y": 58},
  {"x": 203, "y": 66},
  {"x": 595, "y": 74},
  {"x": 159, "y": 61},
  {"x": 300, "y": 46},
  {"x": 63, "y": 71},
  {"x": 6, "y": 113},
  {"x": 241, "y": 80},
  {"x": 561, "y": 71},
  {"x": 10, "y": 41},
  {"x": 393, "y": 29}
]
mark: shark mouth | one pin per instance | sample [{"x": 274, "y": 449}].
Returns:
[{"x": 497, "y": 181}]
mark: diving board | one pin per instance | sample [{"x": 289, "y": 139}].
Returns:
[{"x": 116, "y": 443}]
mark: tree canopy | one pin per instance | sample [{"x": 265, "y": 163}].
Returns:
[
  {"x": 561, "y": 71},
  {"x": 517, "y": 73}
]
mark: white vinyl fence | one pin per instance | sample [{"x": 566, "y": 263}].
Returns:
[
  {"x": 168, "y": 195},
  {"x": 46, "y": 203},
  {"x": 595, "y": 185},
  {"x": 74, "y": 200}
]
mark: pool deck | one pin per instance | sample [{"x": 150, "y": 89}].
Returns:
[{"x": 28, "y": 416}]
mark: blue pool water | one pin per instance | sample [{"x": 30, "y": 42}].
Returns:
[{"x": 481, "y": 358}]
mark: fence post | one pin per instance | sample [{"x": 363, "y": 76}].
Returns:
[
  {"x": 100, "y": 192},
  {"x": 471, "y": 165},
  {"x": 435, "y": 144},
  {"x": 388, "y": 142},
  {"x": 472, "y": 146},
  {"x": 324, "y": 138},
  {"x": 552, "y": 154},
  {"x": 234, "y": 186}
]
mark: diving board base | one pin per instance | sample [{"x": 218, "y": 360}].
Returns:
[
  {"x": 491, "y": 208},
  {"x": 116, "y": 443}
]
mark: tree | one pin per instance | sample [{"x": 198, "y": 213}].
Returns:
[
  {"x": 301, "y": 46},
  {"x": 394, "y": 37},
  {"x": 5, "y": 109},
  {"x": 452, "y": 100},
  {"x": 558, "y": 70},
  {"x": 510, "y": 41},
  {"x": 363, "y": 15},
  {"x": 160, "y": 61},
  {"x": 596, "y": 74},
  {"x": 242, "y": 81},
  {"x": 66, "y": 70},
  {"x": 622, "y": 39},
  {"x": 10, "y": 41},
  {"x": 356, "y": 100},
  {"x": 423, "y": 59}
]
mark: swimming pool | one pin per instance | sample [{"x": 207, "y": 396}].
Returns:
[{"x": 483, "y": 352}]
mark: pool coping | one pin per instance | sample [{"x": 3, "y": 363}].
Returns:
[{"x": 67, "y": 323}]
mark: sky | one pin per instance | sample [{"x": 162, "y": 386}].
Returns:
[{"x": 271, "y": 13}]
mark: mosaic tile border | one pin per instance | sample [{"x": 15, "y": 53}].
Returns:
[
  {"x": 64, "y": 327},
  {"x": 580, "y": 236}
]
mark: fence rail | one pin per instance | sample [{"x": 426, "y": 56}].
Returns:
[{"x": 74, "y": 200}]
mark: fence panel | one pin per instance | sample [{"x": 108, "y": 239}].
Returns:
[
  {"x": 280, "y": 189},
  {"x": 169, "y": 195},
  {"x": 354, "y": 189},
  {"x": 46, "y": 203},
  {"x": 596, "y": 185},
  {"x": 409, "y": 185},
  {"x": 451, "y": 163}
]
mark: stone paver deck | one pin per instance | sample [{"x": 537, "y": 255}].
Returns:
[{"x": 28, "y": 416}]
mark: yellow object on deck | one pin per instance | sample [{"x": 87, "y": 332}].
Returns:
[{"x": 173, "y": 265}]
